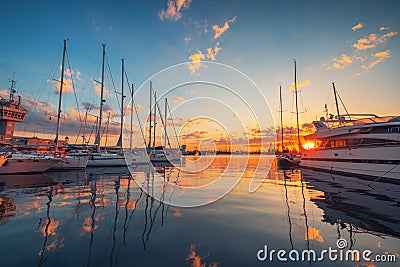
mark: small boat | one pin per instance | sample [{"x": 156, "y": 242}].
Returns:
[{"x": 27, "y": 163}]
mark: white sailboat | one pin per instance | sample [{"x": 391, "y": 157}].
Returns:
[
  {"x": 161, "y": 154},
  {"x": 367, "y": 147},
  {"x": 100, "y": 158},
  {"x": 66, "y": 161}
]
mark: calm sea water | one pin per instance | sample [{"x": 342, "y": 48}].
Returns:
[{"x": 101, "y": 217}]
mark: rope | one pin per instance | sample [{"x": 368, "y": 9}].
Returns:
[
  {"x": 162, "y": 122},
  {"x": 176, "y": 135},
  {"x": 137, "y": 116}
]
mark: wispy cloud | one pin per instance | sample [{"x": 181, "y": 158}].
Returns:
[
  {"x": 372, "y": 40},
  {"x": 178, "y": 99},
  {"x": 196, "y": 58},
  {"x": 196, "y": 61},
  {"x": 357, "y": 27},
  {"x": 300, "y": 84},
  {"x": 211, "y": 53},
  {"x": 97, "y": 88},
  {"x": 187, "y": 39},
  {"x": 69, "y": 77},
  {"x": 220, "y": 30},
  {"x": 174, "y": 8},
  {"x": 359, "y": 55},
  {"x": 378, "y": 58},
  {"x": 342, "y": 62}
]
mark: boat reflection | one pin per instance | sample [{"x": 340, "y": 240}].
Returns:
[
  {"x": 359, "y": 205},
  {"x": 95, "y": 218}
]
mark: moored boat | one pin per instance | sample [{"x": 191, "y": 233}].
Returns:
[
  {"x": 368, "y": 147},
  {"x": 24, "y": 163}
]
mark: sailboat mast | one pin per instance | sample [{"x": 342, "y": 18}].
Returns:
[
  {"x": 59, "y": 100},
  {"x": 336, "y": 102},
  {"x": 297, "y": 108},
  {"x": 280, "y": 101},
  {"x": 155, "y": 119},
  {"x": 130, "y": 139},
  {"x": 151, "y": 96},
  {"x": 98, "y": 137},
  {"x": 122, "y": 107},
  {"x": 165, "y": 124}
]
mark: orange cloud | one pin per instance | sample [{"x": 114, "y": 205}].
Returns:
[
  {"x": 379, "y": 57},
  {"x": 220, "y": 30},
  {"x": 382, "y": 28},
  {"x": 211, "y": 53},
  {"x": 199, "y": 56},
  {"x": 372, "y": 40},
  {"x": 342, "y": 62},
  {"x": 357, "y": 27},
  {"x": 173, "y": 11},
  {"x": 196, "y": 61},
  {"x": 300, "y": 84},
  {"x": 97, "y": 88},
  {"x": 178, "y": 99}
]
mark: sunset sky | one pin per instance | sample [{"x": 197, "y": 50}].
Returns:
[{"x": 355, "y": 44}]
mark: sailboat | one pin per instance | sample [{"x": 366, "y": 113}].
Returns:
[
  {"x": 160, "y": 154},
  {"x": 283, "y": 157},
  {"x": 101, "y": 158},
  {"x": 68, "y": 161},
  {"x": 286, "y": 160}
]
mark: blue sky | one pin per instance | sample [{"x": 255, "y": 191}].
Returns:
[{"x": 262, "y": 40}]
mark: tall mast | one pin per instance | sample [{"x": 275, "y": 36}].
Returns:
[
  {"x": 98, "y": 136},
  {"x": 165, "y": 124},
  {"x": 130, "y": 139},
  {"x": 151, "y": 96},
  {"x": 336, "y": 102},
  {"x": 60, "y": 97},
  {"x": 155, "y": 119},
  {"x": 119, "y": 143},
  {"x": 280, "y": 101},
  {"x": 297, "y": 108}
]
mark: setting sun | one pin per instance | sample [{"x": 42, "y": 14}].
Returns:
[{"x": 308, "y": 146}]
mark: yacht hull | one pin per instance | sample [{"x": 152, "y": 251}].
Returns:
[{"x": 370, "y": 162}]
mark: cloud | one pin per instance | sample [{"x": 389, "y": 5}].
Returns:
[
  {"x": 372, "y": 40},
  {"x": 97, "y": 88},
  {"x": 357, "y": 27},
  {"x": 173, "y": 11},
  {"x": 199, "y": 56},
  {"x": 211, "y": 53},
  {"x": 342, "y": 62},
  {"x": 378, "y": 58},
  {"x": 89, "y": 106},
  {"x": 300, "y": 84},
  {"x": 382, "y": 28},
  {"x": 178, "y": 99},
  {"x": 220, "y": 30},
  {"x": 196, "y": 61},
  {"x": 187, "y": 39}
]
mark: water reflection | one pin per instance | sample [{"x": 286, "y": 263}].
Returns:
[{"x": 103, "y": 218}]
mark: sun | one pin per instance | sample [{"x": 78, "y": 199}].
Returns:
[{"x": 308, "y": 146}]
